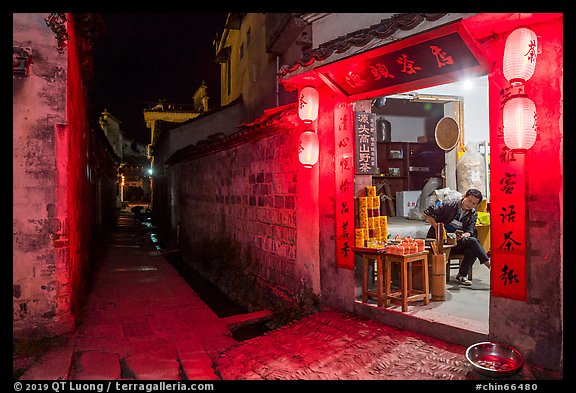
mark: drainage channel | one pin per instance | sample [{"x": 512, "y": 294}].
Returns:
[{"x": 218, "y": 302}]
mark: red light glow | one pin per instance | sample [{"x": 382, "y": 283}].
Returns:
[
  {"x": 519, "y": 121},
  {"x": 308, "y": 149},
  {"x": 308, "y": 101},
  {"x": 520, "y": 56}
]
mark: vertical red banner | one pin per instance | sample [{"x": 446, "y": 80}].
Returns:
[
  {"x": 344, "y": 179},
  {"x": 508, "y": 221}
]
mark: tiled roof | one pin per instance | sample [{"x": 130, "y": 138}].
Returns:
[
  {"x": 360, "y": 38},
  {"x": 272, "y": 121}
]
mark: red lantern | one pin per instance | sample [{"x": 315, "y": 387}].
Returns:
[
  {"x": 519, "y": 121},
  {"x": 308, "y": 104},
  {"x": 520, "y": 56},
  {"x": 308, "y": 149}
]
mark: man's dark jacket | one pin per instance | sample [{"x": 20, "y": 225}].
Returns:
[{"x": 446, "y": 212}]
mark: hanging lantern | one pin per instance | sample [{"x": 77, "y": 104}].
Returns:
[
  {"x": 308, "y": 149},
  {"x": 519, "y": 121},
  {"x": 308, "y": 104},
  {"x": 520, "y": 56}
]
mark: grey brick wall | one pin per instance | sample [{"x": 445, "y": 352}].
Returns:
[{"x": 243, "y": 198}]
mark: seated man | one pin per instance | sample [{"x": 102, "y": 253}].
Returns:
[{"x": 460, "y": 217}]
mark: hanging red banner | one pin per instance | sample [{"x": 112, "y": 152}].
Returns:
[
  {"x": 508, "y": 221},
  {"x": 344, "y": 179}
]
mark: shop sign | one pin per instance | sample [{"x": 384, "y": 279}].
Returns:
[
  {"x": 344, "y": 179},
  {"x": 429, "y": 57},
  {"x": 508, "y": 222},
  {"x": 365, "y": 130}
]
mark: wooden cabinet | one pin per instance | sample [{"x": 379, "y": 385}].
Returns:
[{"x": 407, "y": 166}]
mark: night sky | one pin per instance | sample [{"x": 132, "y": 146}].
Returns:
[{"x": 141, "y": 58}]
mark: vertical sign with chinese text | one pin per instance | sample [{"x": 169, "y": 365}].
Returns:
[
  {"x": 365, "y": 129},
  {"x": 508, "y": 220},
  {"x": 344, "y": 179}
]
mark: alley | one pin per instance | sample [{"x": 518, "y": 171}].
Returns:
[{"x": 142, "y": 321}]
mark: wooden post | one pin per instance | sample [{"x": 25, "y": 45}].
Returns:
[{"x": 439, "y": 267}]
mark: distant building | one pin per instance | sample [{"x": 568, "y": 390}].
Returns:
[
  {"x": 135, "y": 179},
  {"x": 175, "y": 113},
  {"x": 111, "y": 127}
]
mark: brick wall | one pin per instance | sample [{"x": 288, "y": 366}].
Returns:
[{"x": 237, "y": 215}]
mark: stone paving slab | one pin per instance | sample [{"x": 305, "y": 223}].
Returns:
[
  {"x": 196, "y": 364},
  {"x": 153, "y": 358},
  {"x": 53, "y": 366},
  {"x": 97, "y": 365}
]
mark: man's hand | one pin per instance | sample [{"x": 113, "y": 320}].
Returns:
[{"x": 460, "y": 234}]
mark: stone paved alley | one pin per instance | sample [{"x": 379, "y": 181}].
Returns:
[{"x": 144, "y": 322}]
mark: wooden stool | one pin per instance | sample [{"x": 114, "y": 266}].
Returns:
[
  {"x": 372, "y": 255},
  {"x": 407, "y": 293}
]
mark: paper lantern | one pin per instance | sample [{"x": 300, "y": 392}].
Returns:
[
  {"x": 308, "y": 104},
  {"x": 519, "y": 121},
  {"x": 520, "y": 56},
  {"x": 308, "y": 149}
]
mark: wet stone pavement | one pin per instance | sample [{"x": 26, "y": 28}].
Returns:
[
  {"x": 144, "y": 322},
  {"x": 331, "y": 345}
]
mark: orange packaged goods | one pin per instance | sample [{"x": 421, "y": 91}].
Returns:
[
  {"x": 375, "y": 206},
  {"x": 420, "y": 243},
  {"x": 371, "y": 191},
  {"x": 359, "y": 237},
  {"x": 395, "y": 249},
  {"x": 371, "y": 222},
  {"x": 363, "y": 221},
  {"x": 383, "y": 227}
]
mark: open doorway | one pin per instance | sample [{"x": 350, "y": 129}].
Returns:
[{"x": 410, "y": 158}]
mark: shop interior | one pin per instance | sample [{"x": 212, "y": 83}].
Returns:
[{"x": 418, "y": 152}]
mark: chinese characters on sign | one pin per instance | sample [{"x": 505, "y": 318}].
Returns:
[
  {"x": 426, "y": 59},
  {"x": 344, "y": 178},
  {"x": 508, "y": 226},
  {"x": 365, "y": 127}
]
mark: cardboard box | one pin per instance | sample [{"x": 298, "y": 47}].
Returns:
[{"x": 405, "y": 201}]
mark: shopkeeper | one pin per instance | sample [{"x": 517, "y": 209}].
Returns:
[{"x": 459, "y": 217}]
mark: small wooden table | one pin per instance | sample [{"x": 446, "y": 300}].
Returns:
[
  {"x": 407, "y": 293},
  {"x": 374, "y": 255}
]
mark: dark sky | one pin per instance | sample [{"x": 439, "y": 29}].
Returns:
[{"x": 143, "y": 57}]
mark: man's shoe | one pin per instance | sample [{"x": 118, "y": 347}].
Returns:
[{"x": 463, "y": 280}]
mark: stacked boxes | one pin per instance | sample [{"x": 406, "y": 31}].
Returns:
[
  {"x": 406, "y": 246},
  {"x": 373, "y": 226}
]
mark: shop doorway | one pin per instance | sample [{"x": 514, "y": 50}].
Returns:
[{"x": 409, "y": 156}]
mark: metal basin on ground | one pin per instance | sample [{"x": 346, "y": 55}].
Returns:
[{"x": 495, "y": 359}]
